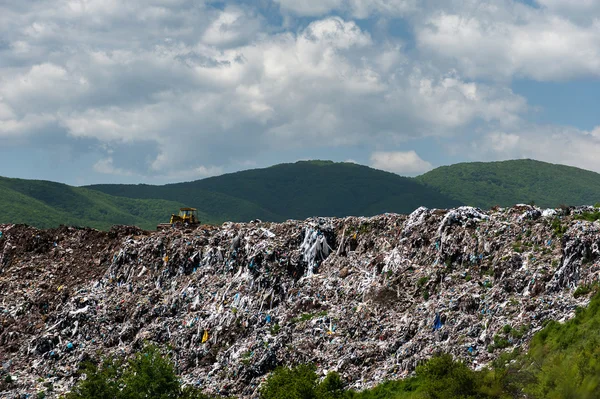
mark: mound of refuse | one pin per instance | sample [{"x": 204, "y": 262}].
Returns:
[{"x": 369, "y": 298}]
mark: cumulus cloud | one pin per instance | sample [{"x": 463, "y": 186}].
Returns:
[
  {"x": 310, "y": 7},
  {"x": 223, "y": 95},
  {"x": 554, "y": 144},
  {"x": 502, "y": 40},
  {"x": 199, "y": 89},
  {"x": 365, "y": 8},
  {"x": 584, "y": 9},
  {"x": 233, "y": 26},
  {"x": 355, "y": 8},
  {"x": 400, "y": 162},
  {"x": 106, "y": 166}
]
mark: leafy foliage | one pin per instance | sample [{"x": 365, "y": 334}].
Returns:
[
  {"x": 559, "y": 229},
  {"x": 294, "y": 191},
  {"x": 301, "y": 382},
  {"x": 564, "y": 357},
  {"x": 46, "y": 204},
  {"x": 589, "y": 216},
  {"x": 486, "y": 184},
  {"x": 147, "y": 375},
  {"x": 298, "y": 191}
]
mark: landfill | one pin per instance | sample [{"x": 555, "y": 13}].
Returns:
[{"x": 369, "y": 298}]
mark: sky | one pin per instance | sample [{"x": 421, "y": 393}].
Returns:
[{"x": 159, "y": 91}]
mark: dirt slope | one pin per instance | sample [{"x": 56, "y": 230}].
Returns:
[{"x": 368, "y": 297}]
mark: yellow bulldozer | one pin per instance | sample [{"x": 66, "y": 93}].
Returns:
[{"x": 186, "y": 217}]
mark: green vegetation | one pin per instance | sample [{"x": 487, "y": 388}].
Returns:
[
  {"x": 294, "y": 191},
  {"x": 275, "y": 194},
  {"x": 308, "y": 316},
  {"x": 558, "y": 228},
  {"x": 562, "y": 363},
  {"x": 282, "y": 192},
  {"x": 147, "y": 375},
  {"x": 589, "y": 216},
  {"x": 486, "y": 184},
  {"x": 301, "y": 382},
  {"x": 275, "y": 329},
  {"x": 45, "y": 204},
  {"x": 585, "y": 289}
]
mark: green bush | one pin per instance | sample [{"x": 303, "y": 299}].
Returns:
[
  {"x": 147, "y": 375},
  {"x": 589, "y": 216},
  {"x": 583, "y": 290},
  {"x": 558, "y": 228},
  {"x": 443, "y": 378},
  {"x": 301, "y": 382}
]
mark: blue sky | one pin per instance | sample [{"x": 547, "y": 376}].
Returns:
[{"x": 157, "y": 91}]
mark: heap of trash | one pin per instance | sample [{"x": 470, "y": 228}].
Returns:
[{"x": 369, "y": 298}]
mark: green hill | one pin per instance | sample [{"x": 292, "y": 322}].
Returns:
[
  {"x": 485, "y": 184},
  {"x": 46, "y": 204},
  {"x": 297, "y": 191},
  {"x": 294, "y": 191}
]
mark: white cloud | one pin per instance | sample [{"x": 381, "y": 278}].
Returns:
[
  {"x": 310, "y": 7},
  {"x": 106, "y": 166},
  {"x": 336, "y": 32},
  {"x": 501, "y": 142},
  {"x": 501, "y": 40},
  {"x": 26, "y": 126},
  {"x": 112, "y": 124},
  {"x": 233, "y": 26},
  {"x": 193, "y": 83},
  {"x": 400, "y": 162},
  {"x": 365, "y": 8},
  {"x": 355, "y": 8},
  {"x": 195, "y": 173},
  {"x": 584, "y": 9},
  {"x": 562, "y": 145},
  {"x": 43, "y": 87},
  {"x": 218, "y": 97}
]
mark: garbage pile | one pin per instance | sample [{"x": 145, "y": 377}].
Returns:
[{"x": 369, "y": 298}]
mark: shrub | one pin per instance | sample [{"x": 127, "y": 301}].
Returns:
[
  {"x": 442, "y": 377},
  {"x": 301, "y": 382},
  {"x": 558, "y": 228},
  {"x": 147, "y": 375}
]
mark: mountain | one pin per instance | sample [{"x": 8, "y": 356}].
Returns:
[
  {"x": 294, "y": 191},
  {"x": 485, "y": 184},
  {"x": 297, "y": 191},
  {"x": 47, "y": 204}
]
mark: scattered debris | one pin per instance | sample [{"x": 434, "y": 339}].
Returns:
[{"x": 367, "y": 297}]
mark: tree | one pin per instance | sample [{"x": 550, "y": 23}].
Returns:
[
  {"x": 148, "y": 375},
  {"x": 301, "y": 382},
  {"x": 443, "y": 378}
]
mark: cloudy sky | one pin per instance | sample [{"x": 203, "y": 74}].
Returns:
[{"x": 161, "y": 91}]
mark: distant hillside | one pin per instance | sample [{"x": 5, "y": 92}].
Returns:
[
  {"x": 46, "y": 204},
  {"x": 505, "y": 183},
  {"x": 297, "y": 191},
  {"x": 294, "y": 191}
]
